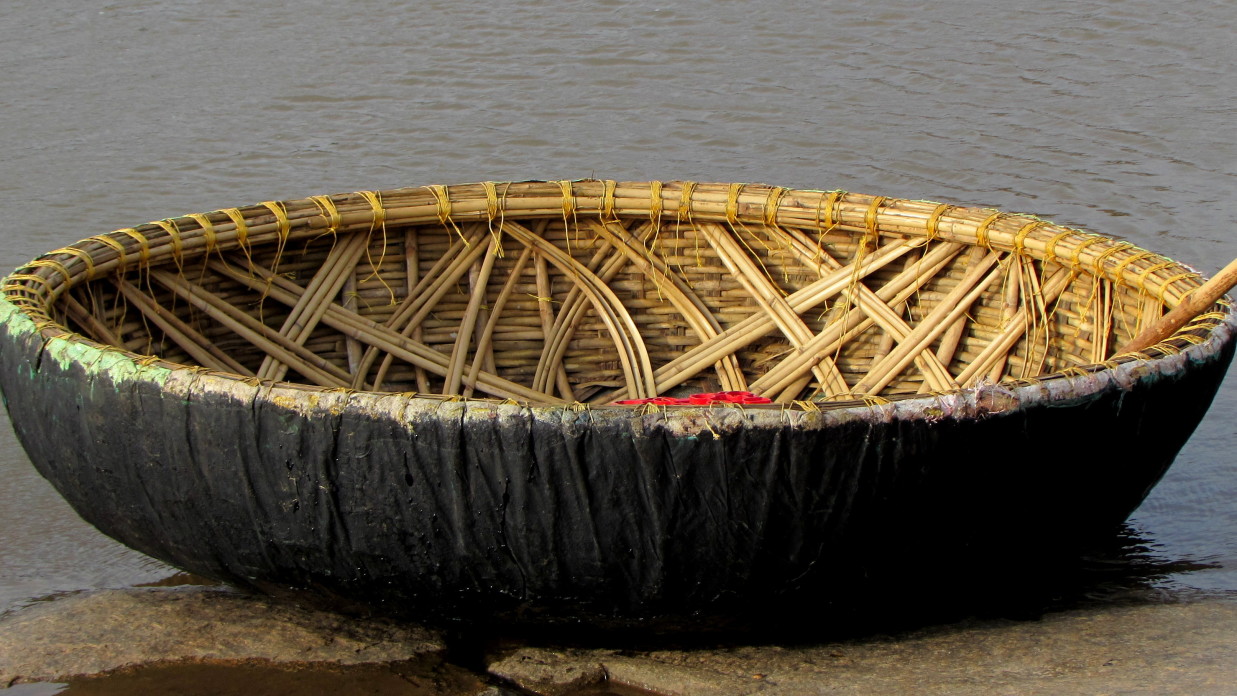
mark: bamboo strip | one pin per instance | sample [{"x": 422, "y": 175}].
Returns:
[
  {"x": 412, "y": 300},
  {"x": 935, "y": 374},
  {"x": 195, "y": 344},
  {"x": 455, "y": 371},
  {"x": 755, "y": 326},
  {"x": 945, "y": 314},
  {"x": 264, "y": 337},
  {"x": 1011, "y": 297},
  {"x": 886, "y": 341},
  {"x": 766, "y": 295},
  {"x": 680, "y": 295},
  {"x": 948, "y": 345},
  {"x": 1035, "y": 316},
  {"x": 98, "y": 330},
  {"x": 483, "y": 318},
  {"x": 412, "y": 265},
  {"x": 796, "y": 388},
  {"x": 632, "y": 353},
  {"x": 546, "y": 312},
  {"x": 382, "y": 337},
  {"x": 571, "y": 311},
  {"x": 428, "y": 292},
  {"x": 838, "y": 333},
  {"x": 875, "y": 304},
  {"x": 348, "y": 299},
  {"x": 859, "y": 295},
  {"x": 1103, "y": 321},
  {"x": 485, "y": 340},
  {"x": 319, "y": 293},
  {"x": 1152, "y": 311},
  {"x": 1014, "y": 329}
]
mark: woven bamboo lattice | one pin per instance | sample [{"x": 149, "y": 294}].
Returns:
[{"x": 594, "y": 291}]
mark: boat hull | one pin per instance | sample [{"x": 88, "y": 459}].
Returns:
[{"x": 455, "y": 509}]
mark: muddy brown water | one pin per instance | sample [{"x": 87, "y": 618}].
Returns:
[{"x": 1113, "y": 116}]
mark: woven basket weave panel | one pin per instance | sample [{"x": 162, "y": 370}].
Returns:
[
  {"x": 590, "y": 357},
  {"x": 1082, "y": 326},
  {"x": 381, "y": 282}
]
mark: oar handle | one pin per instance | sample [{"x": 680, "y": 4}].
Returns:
[{"x": 1193, "y": 305}]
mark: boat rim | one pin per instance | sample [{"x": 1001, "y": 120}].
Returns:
[{"x": 29, "y": 291}]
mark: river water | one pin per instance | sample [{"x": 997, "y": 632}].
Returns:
[{"x": 1117, "y": 116}]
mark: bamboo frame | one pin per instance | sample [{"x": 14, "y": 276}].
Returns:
[{"x": 564, "y": 291}]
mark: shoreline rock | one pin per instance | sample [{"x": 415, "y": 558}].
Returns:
[
  {"x": 1177, "y": 648},
  {"x": 1187, "y": 649},
  {"x": 103, "y": 631}
]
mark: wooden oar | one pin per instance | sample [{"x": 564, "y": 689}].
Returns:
[{"x": 1193, "y": 305}]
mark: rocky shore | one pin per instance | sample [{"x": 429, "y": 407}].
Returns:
[{"x": 1185, "y": 647}]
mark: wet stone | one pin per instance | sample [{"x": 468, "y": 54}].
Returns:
[
  {"x": 1171, "y": 649},
  {"x": 413, "y": 678},
  {"x": 103, "y": 631},
  {"x": 550, "y": 672}
]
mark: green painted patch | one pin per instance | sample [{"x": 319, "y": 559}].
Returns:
[
  {"x": 116, "y": 365},
  {"x": 15, "y": 321}
]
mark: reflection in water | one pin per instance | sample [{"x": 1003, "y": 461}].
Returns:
[
  {"x": 1027, "y": 581},
  {"x": 1019, "y": 582}
]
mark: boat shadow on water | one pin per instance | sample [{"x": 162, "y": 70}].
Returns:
[{"x": 921, "y": 589}]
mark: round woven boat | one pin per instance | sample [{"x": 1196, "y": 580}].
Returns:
[{"x": 411, "y": 397}]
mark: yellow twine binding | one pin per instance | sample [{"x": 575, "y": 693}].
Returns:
[
  {"x": 685, "y": 201},
  {"x": 380, "y": 223},
  {"x": 121, "y": 262},
  {"x": 494, "y": 210},
  {"x": 281, "y": 217},
  {"x": 981, "y": 232},
  {"x": 242, "y": 227},
  {"x": 380, "y": 213},
  {"x": 329, "y": 211},
  {"x": 732, "y": 203},
  {"x": 143, "y": 244},
  {"x": 284, "y": 228},
  {"x": 443, "y": 198},
  {"x": 1050, "y": 249},
  {"x": 207, "y": 229},
  {"x": 1131, "y": 259},
  {"x": 173, "y": 232},
  {"x": 934, "y": 220},
  {"x": 831, "y": 212},
  {"x": 870, "y": 217},
  {"x": 1076, "y": 257},
  {"x": 1108, "y": 253},
  {"x": 55, "y": 266},
  {"x": 1021, "y": 236},
  {"x": 607, "y": 201},
  {"x": 655, "y": 202},
  {"x": 86, "y": 258},
  {"x": 21, "y": 278}
]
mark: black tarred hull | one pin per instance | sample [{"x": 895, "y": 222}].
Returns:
[{"x": 468, "y": 510}]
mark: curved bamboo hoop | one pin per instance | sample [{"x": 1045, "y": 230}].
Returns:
[{"x": 638, "y": 289}]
